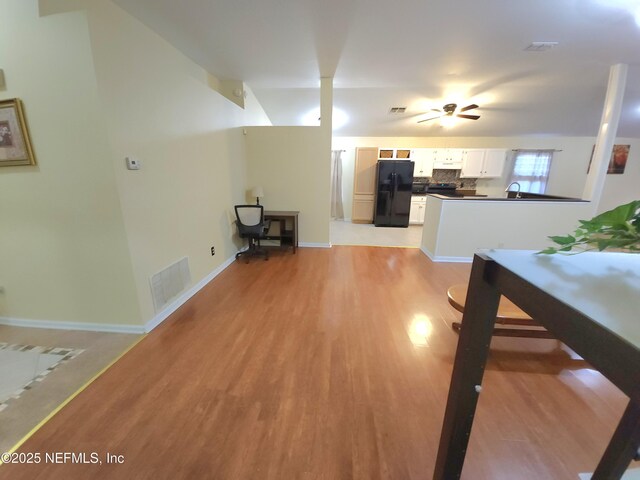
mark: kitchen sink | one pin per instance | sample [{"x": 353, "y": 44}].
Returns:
[{"x": 536, "y": 196}]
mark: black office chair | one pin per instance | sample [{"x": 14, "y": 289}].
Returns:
[{"x": 252, "y": 226}]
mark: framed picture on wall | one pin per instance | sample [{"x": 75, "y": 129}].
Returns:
[
  {"x": 618, "y": 160},
  {"x": 619, "y": 157},
  {"x": 15, "y": 145}
]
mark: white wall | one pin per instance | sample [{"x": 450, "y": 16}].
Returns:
[
  {"x": 63, "y": 248},
  {"x": 160, "y": 109},
  {"x": 79, "y": 234},
  {"x": 620, "y": 189},
  {"x": 292, "y": 164},
  {"x": 568, "y": 171}
]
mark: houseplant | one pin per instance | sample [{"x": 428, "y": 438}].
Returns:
[{"x": 617, "y": 229}]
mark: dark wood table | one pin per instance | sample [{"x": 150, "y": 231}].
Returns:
[
  {"x": 288, "y": 227},
  {"x": 590, "y": 301}
]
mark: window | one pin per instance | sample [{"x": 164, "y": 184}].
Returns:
[{"x": 531, "y": 170}]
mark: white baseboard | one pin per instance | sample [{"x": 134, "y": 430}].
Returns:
[
  {"x": 84, "y": 326},
  {"x": 113, "y": 328},
  {"x": 162, "y": 315},
  {"x": 440, "y": 258},
  {"x": 314, "y": 245}
]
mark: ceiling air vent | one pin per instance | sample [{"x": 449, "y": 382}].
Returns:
[
  {"x": 397, "y": 110},
  {"x": 540, "y": 46}
]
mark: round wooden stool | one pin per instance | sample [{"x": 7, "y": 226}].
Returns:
[{"x": 508, "y": 314}]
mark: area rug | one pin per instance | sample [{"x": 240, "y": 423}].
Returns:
[{"x": 21, "y": 366}]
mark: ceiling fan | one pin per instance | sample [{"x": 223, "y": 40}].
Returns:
[{"x": 449, "y": 111}]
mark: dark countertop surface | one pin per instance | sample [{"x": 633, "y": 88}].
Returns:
[{"x": 540, "y": 198}]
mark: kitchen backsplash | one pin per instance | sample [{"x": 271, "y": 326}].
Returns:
[{"x": 450, "y": 176}]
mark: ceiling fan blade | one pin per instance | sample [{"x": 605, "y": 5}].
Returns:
[
  {"x": 430, "y": 118},
  {"x": 436, "y": 110},
  {"x": 469, "y": 117},
  {"x": 469, "y": 107}
]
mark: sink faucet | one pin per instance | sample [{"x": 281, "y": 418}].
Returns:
[{"x": 511, "y": 185}]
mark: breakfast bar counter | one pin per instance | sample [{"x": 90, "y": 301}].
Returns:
[{"x": 456, "y": 227}]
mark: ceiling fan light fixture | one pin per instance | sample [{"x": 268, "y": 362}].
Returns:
[
  {"x": 448, "y": 116},
  {"x": 447, "y": 121},
  {"x": 449, "y": 108}
]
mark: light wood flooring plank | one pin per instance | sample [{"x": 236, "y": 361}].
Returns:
[{"x": 328, "y": 364}]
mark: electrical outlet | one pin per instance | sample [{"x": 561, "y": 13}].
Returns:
[{"x": 213, "y": 251}]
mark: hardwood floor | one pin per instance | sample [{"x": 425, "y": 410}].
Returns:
[{"x": 328, "y": 364}]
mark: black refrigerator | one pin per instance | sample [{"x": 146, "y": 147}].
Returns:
[{"x": 394, "y": 179}]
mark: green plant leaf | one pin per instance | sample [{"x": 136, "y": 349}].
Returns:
[
  {"x": 564, "y": 240},
  {"x": 619, "y": 215},
  {"x": 618, "y": 228}
]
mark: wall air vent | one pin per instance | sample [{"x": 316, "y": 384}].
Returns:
[
  {"x": 397, "y": 110},
  {"x": 540, "y": 46},
  {"x": 167, "y": 284}
]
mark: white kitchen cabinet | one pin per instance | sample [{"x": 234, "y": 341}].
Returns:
[
  {"x": 449, "y": 158},
  {"x": 472, "y": 163},
  {"x": 423, "y": 158},
  {"x": 487, "y": 163},
  {"x": 418, "y": 207},
  {"x": 494, "y": 159}
]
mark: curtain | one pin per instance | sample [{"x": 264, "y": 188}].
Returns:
[
  {"x": 531, "y": 170},
  {"x": 337, "y": 211}
]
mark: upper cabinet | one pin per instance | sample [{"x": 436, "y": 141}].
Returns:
[
  {"x": 448, "y": 158},
  {"x": 478, "y": 163},
  {"x": 494, "y": 160},
  {"x": 394, "y": 154},
  {"x": 473, "y": 162},
  {"x": 423, "y": 158}
]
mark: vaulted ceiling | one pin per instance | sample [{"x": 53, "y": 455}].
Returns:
[{"x": 417, "y": 54}]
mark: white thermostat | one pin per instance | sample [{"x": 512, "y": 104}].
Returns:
[{"x": 132, "y": 163}]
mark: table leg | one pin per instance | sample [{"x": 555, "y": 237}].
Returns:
[
  {"x": 623, "y": 445},
  {"x": 471, "y": 356},
  {"x": 295, "y": 233}
]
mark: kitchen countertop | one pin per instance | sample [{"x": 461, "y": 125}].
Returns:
[
  {"x": 505, "y": 199},
  {"x": 461, "y": 192}
]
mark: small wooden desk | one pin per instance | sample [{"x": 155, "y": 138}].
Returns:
[
  {"x": 589, "y": 301},
  {"x": 288, "y": 223}
]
